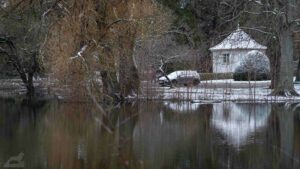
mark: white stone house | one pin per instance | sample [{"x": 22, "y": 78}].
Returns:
[{"x": 228, "y": 54}]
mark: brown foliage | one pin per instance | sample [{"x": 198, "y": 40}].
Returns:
[{"x": 88, "y": 36}]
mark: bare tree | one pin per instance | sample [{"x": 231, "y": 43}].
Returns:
[
  {"x": 26, "y": 65},
  {"x": 105, "y": 30},
  {"x": 22, "y": 32}
]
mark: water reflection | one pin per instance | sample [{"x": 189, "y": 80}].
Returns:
[
  {"x": 151, "y": 135},
  {"x": 182, "y": 107},
  {"x": 237, "y": 122},
  {"x": 173, "y": 143}
]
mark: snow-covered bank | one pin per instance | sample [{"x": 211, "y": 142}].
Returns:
[
  {"x": 221, "y": 90},
  {"x": 206, "y": 92},
  {"x": 44, "y": 88},
  {"x": 257, "y": 94},
  {"x": 237, "y": 82},
  {"x": 234, "y": 84}
]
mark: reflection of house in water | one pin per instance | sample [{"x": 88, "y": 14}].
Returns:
[
  {"x": 182, "y": 107},
  {"x": 237, "y": 122}
]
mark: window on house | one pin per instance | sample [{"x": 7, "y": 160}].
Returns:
[{"x": 225, "y": 58}]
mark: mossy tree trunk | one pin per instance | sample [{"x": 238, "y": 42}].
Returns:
[
  {"x": 285, "y": 85},
  {"x": 298, "y": 72}
]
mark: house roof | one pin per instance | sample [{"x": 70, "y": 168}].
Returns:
[{"x": 238, "y": 40}]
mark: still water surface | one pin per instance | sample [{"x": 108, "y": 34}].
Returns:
[{"x": 151, "y": 135}]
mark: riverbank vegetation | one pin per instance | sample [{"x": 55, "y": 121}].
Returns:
[{"x": 101, "y": 50}]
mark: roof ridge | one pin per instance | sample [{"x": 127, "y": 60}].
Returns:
[{"x": 238, "y": 39}]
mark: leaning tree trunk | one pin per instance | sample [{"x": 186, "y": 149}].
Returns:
[{"x": 284, "y": 85}]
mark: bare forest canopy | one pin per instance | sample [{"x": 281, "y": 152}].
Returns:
[
  {"x": 78, "y": 42},
  {"x": 75, "y": 40},
  {"x": 273, "y": 23}
]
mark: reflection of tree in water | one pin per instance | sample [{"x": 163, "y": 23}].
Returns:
[
  {"x": 145, "y": 135},
  {"x": 176, "y": 142},
  {"x": 297, "y": 134},
  {"x": 77, "y": 139},
  {"x": 226, "y": 109},
  {"x": 19, "y": 124},
  {"x": 287, "y": 146},
  {"x": 68, "y": 135}
]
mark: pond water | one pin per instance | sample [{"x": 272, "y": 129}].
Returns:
[{"x": 150, "y": 135}]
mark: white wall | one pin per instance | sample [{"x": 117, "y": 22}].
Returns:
[{"x": 234, "y": 60}]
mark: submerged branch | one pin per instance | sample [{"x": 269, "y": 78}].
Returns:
[{"x": 98, "y": 106}]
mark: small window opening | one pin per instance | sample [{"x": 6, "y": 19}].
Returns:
[{"x": 225, "y": 58}]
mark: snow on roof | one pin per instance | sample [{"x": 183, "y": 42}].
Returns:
[
  {"x": 177, "y": 73},
  {"x": 238, "y": 40}
]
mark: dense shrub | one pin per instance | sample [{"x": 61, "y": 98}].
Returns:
[
  {"x": 215, "y": 76},
  {"x": 255, "y": 66}
]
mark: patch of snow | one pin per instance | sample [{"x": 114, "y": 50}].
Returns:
[
  {"x": 236, "y": 82},
  {"x": 257, "y": 91},
  {"x": 230, "y": 94},
  {"x": 80, "y": 52}
]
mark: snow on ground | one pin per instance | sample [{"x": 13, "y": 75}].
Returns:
[
  {"x": 267, "y": 82},
  {"x": 223, "y": 90}
]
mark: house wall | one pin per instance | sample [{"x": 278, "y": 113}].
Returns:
[{"x": 235, "y": 57}]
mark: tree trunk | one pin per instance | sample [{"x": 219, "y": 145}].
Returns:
[
  {"x": 274, "y": 53},
  {"x": 128, "y": 74},
  {"x": 28, "y": 82},
  {"x": 110, "y": 85},
  {"x": 30, "y": 86},
  {"x": 298, "y": 72},
  {"x": 284, "y": 85}
]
